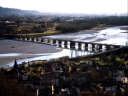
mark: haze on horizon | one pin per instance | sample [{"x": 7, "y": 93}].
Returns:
[{"x": 70, "y": 6}]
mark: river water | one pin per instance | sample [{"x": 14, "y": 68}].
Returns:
[
  {"x": 113, "y": 35},
  {"x": 64, "y": 52}
]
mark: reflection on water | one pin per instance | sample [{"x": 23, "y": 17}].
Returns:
[
  {"x": 113, "y": 35},
  {"x": 64, "y": 52},
  {"x": 10, "y": 54}
]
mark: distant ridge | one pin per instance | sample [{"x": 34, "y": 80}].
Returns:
[{"x": 13, "y": 11}]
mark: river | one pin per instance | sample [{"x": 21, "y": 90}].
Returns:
[{"x": 113, "y": 35}]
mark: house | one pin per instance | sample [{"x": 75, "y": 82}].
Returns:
[
  {"x": 126, "y": 66},
  {"x": 84, "y": 68},
  {"x": 45, "y": 90},
  {"x": 93, "y": 63},
  {"x": 126, "y": 71},
  {"x": 49, "y": 76},
  {"x": 57, "y": 69},
  {"x": 81, "y": 77},
  {"x": 23, "y": 75},
  {"x": 120, "y": 71},
  {"x": 47, "y": 70},
  {"x": 7, "y": 22},
  {"x": 117, "y": 77},
  {"x": 124, "y": 79},
  {"x": 109, "y": 86},
  {"x": 103, "y": 67},
  {"x": 37, "y": 73},
  {"x": 71, "y": 77},
  {"x": 75, "y": 68}
]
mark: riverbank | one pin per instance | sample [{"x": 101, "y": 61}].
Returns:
[
  {"x": 12, "y": 49},
  {"x": 21, "y": 50},
  {"x": 115, "y": 35}
]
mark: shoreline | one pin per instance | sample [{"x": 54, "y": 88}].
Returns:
[
  {"x": 23, "y": 50},
  {"x": 31, "y": 49}
]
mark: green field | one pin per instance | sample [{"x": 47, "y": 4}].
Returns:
[{"x": 48, "y": 32}]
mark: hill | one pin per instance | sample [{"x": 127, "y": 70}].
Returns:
[{"x": 12, "y": 11}]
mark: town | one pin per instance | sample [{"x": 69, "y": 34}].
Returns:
[
  {"x": 103, "y": 73},
  {"x": 81, "y": 76}
]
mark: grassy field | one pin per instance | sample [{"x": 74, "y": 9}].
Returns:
[
  {"x": 48, "y": 32},
  {"x": 107, "y": 59},
  {"x": 52, "y": 31}
]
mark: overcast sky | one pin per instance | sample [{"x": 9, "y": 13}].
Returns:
[{"x": 69, "y": 6}]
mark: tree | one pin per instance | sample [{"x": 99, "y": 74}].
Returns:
[
  {"x": 15, "y": 66},
  {"x": 11, "y": 87},
  {"x": 126, "y": 90}
]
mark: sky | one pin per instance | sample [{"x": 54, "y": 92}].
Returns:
[{"x": 70, "y": 6}]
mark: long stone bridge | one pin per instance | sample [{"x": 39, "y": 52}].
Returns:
[{"x": 62, "y": 43}]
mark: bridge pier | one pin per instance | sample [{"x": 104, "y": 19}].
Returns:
[
  {"x": 96, "y": 48},
  {"x": 87, "y": 46},
  {"x": 63, "y": 44},
  {"x": 76, "y": 45},
  {"x": 58, "y": 43},
  {"x": 30, "y": 39},
  {"x": 45, "y": 40},
  {"x": 68, "y": 44},
  {"x": 25, "y": 38},
  {"x": 104, "y": 48},
  {"x": 34, "y": 39},
  {"x": 49, "y": 41},
  {"x": 82, "y": 46},
  {"x": 39, "y": 39},
  {"x": 21, "y": 38}
]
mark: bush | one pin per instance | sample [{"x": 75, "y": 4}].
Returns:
[{"x": 126, "y": 57}]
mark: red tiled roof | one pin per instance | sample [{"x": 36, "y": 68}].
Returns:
[{"x": 48, "y": 69}]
